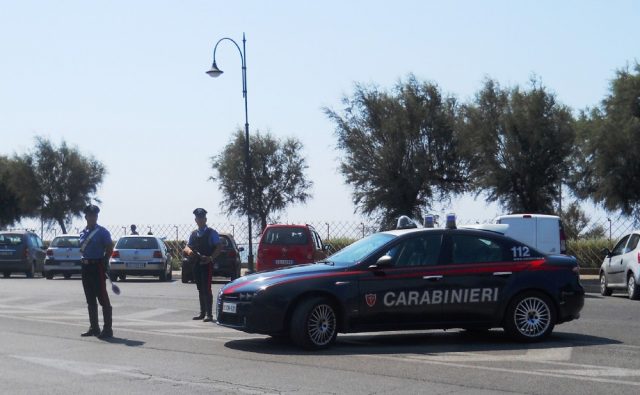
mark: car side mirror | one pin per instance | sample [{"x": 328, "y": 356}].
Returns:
[
  {"x": 382, "y": 262},
  {"x": 240, "y": 249},
  {"x": 606, "y": 252}
]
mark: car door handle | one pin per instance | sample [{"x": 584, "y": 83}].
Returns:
[
  {"x": 432, "y": 278},
  {"x": 502, "y": 274}
]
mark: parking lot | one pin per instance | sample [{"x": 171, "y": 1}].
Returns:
[{"x": 157, "y": 347}]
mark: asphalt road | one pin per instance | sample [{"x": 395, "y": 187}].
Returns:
[{"x": 158, "y": 349}]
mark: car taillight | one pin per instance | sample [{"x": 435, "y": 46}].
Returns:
[
  {"x": 310, "y": 255},
  {"x": 232, "y": 254},
  {"x": 563, "y": 241},
  {"x": 638, "y": 257},
  {"x": 576, "y": 269},
  {"x": 157, "y": 254},
  {"x": 115, "y": 254},
  {"x": 49, "y": 252},
  {"x": 25, "y": 254}
]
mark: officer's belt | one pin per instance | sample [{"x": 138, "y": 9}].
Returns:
[{"x": 90, "y": 261}]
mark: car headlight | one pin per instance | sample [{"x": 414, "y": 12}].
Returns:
[{"x": 246, "y": 296}]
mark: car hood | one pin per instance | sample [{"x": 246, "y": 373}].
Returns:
[{"x": 262, "y": 280}]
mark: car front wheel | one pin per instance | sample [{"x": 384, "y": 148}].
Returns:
[
  {"x": 530, "y": 317},
  {"x": 632, "y": 287},
  {"x": 604, "y": 290},
  {"x": 314, "y": 324}
]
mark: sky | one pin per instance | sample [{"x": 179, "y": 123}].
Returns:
[{"x": 125, "y": 81}]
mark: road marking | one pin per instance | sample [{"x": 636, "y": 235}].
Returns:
[
  {"x": 534, "y": 354},
  {"x": 145, "y": 314}
]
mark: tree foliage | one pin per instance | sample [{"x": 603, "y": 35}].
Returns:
[
  {"x": 277, "y": 170},
  {"x": 61, "y": 179},
  {"x": 400, "y": 148},
  {"x": 576, "y": 224},
  {"x": 518, "y": 143},
  {"x": 607, "y": 163}
]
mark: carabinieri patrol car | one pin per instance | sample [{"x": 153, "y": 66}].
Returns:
[{"x": 410, "y": 279}]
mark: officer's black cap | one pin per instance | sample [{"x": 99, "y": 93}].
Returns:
[
  {"x": 200, "y": 213},
  {"x": 91, "y": 209}
]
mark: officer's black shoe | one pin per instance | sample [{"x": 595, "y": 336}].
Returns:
[
  {"x": 91, "y": 332},
  {"x": 199, "y": 317},
  {"x": 106, "y": 333},
  {"x": 208, "y": 319}
]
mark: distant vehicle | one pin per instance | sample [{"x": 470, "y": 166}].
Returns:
[
  {"x": 287, "y": 245},
  {"x": 406, "y": 280},
  {"x": 21, "y": 251},
  {"x": 542, "y": 232},
  {"x": 140, "y": 256},
  {"x": 227, "y": 264},
  {"x": 620, "y": 269},
  {"x": 63, "y": 257}
]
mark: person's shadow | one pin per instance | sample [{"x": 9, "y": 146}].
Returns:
[{"x": 126, "y": 342}]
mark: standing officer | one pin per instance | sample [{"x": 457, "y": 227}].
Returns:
[
  {"x": 96, "y": 247},
  {"x": 134, "y": 230},
  {"x": 203, "y": 247}
]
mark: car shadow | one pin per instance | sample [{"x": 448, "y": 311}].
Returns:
[
  {"x": 124, "y": 341},
  {"x": 428, "y": 342},
  {"x": 144, "y": 280}
]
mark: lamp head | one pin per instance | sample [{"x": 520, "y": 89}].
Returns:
[{"x": 214, "y": 71}]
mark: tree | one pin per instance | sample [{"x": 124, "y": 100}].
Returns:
[
  {"x": 63, "y": 180},
  {"x": 277, "y": 170},
  {"x": 400, "y": 148},
  {"x": 576, "y": 224},
  {"x": 518, "y": 143},
  {"x": 15, "y": 201},
  {"x": 607, "y": 163}
]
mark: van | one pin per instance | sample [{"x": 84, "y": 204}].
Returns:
[{"x": 542, "y": 232}]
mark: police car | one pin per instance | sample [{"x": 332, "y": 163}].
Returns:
[{"x": 421, "y": 278}]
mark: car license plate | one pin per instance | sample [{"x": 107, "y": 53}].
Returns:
[
  {"x": 284, "y": 262},
  {"x": 6, "y": 252},
  {"x": 67, "y": 264},
  {"x": 229, "y": 308},
  {"x": 135, "y": 265}
]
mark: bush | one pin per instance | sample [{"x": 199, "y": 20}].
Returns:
[
  {"x": 587, "y": 251},
  {"x": 338, "y": 243}
]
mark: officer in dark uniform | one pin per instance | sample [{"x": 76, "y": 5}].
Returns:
[
  {"x": 203, "y": 247},
  {"x": 96, "y": 247}
]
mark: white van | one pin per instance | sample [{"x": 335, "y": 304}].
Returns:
[{"x": 542, "y": 232}]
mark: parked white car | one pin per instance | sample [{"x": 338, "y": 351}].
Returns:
[
  {"x": 620, "y": 269},
  {"x": 63, "y": 257},
  {"x": 140, "y": 256}
]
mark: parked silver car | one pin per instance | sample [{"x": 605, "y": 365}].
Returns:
[
  {"x": 63, "y": 257},
  {"x": 140, "y": 256},
  {"x": 21, "y": 251},
  {"x": 620, "y": 269}
]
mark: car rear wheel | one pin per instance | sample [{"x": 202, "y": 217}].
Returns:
[
  {"x": 314, "y": 324},
  {"x": 604, "y": 290},
  {"x": 235, "y": 274},
  {"x": 6, "y": 274},
  {"x": 530, "y": 317},
  {"x": 632, "y": 288},
  {"x": 67, "y": 276},
  {"x": 163, "y": 276},
  {"x": 49, "y": 276}
]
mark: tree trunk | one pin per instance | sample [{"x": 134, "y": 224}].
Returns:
[
  {"x": 61, "y": 223},
  {"x": 263, "y": 222}
]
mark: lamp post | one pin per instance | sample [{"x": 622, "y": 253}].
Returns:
[{"x": 216, "y": 72}]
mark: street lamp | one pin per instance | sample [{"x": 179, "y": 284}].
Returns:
[{"x": 216, "y": 72}]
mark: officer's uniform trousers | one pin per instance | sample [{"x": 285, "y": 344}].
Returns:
[
  {"x": 94, "y": 284},
  {"x": 202, "y": 275}
]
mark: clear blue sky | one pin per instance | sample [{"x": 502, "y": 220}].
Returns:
[{"x": 125, "y": 82}]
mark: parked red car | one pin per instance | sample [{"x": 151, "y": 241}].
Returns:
[{"x": 287, "y": 245}]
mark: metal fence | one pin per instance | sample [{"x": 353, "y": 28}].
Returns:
[{"x": 586, "y": 246}]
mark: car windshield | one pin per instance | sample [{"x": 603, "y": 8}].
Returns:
[
  {"x": 285, "y": 236},
  {"x": 66, "y": 242},
  {"x": 356, "y": 252},
  {"x": 137, "y": 243},
  {"x": 10, "y": 240}
]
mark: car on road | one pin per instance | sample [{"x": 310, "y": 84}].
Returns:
[
  {"x": 21, "y": 251},
  {"x": 63, "y": 257},
  {"x": 620, "y": 269},
  {"x": 410, "y": 279},
  {"x": 140, "y": 255},
  {"x": 287, "y": 245},
  {"x": 227, "y": 264}
]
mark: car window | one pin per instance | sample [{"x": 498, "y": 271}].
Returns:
[
  {"x": 475, "y": 249},
  {"x": 633, "y": 243},
  {"x": 316, "y": 240},
  {"x": 10, "y": 240},
  {"x": 225, "y": 242},
  {"x": 286, "y": 236},
  {"x": 354, "y": 253},
  {"x": 66, "y": 242},
  {"x": 619, "y": 248},
  {"x": 423, "y": 250},
  {"x": 137, "y": 243}
]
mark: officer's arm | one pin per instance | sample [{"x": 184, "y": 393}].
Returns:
[
  {"x": 108, "y": 251},
  {"x": 188, "y": 251}
]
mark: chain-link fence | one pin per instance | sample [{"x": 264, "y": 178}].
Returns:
[{"x": 585, "y": 243}]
